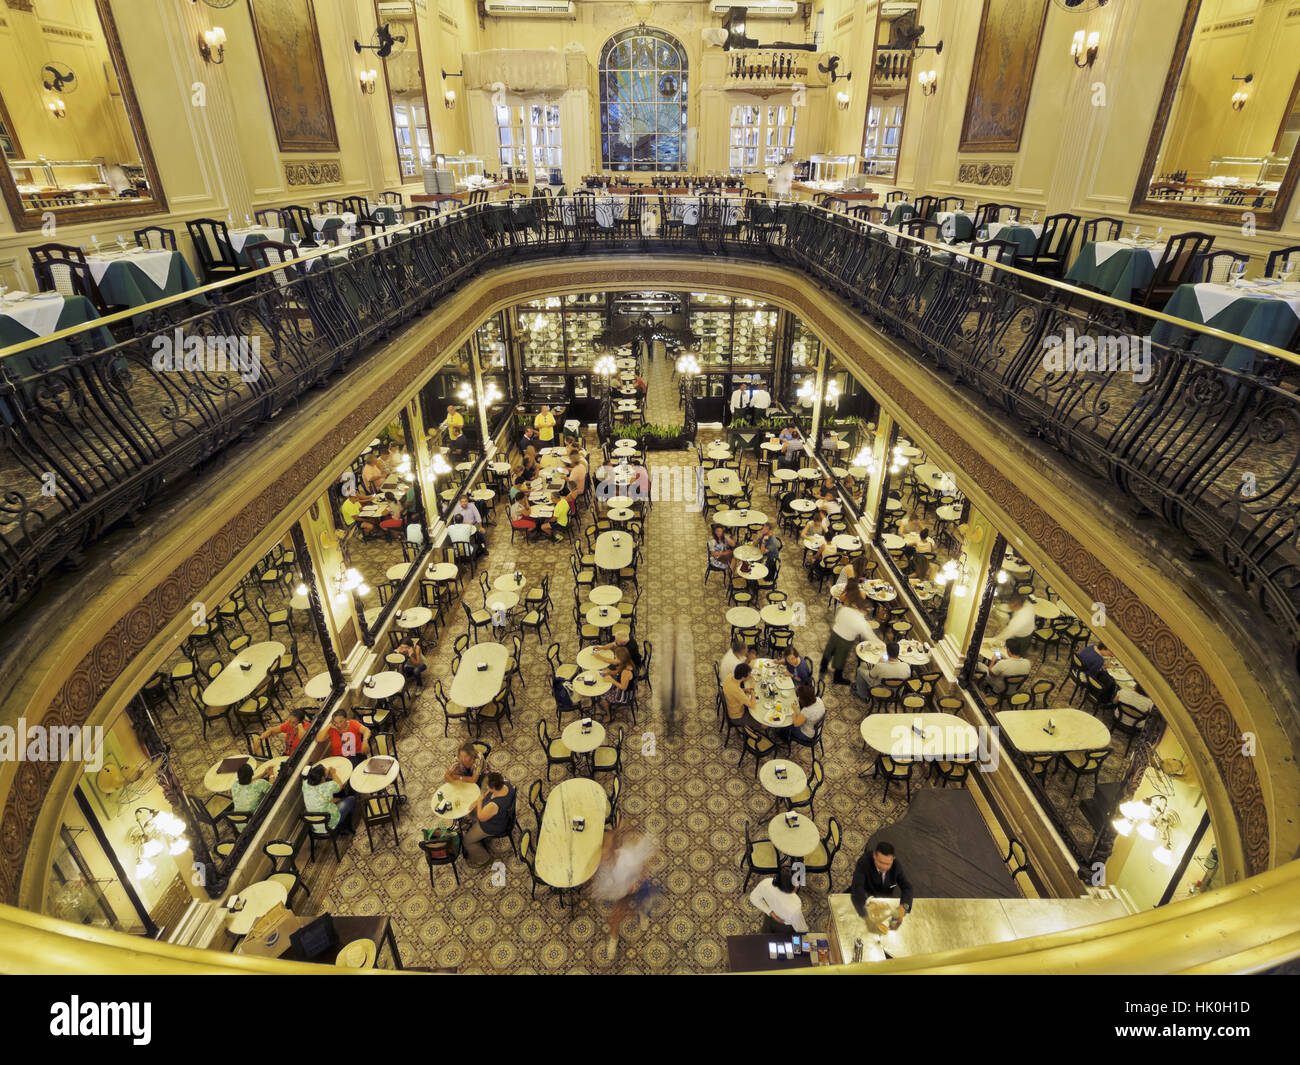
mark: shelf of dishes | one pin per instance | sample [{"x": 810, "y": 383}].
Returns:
[{"x": 491, "y": 344}]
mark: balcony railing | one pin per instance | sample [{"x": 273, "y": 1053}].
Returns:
[{"x": 95, "y": 432}]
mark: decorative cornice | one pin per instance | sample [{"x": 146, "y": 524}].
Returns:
[{"x": 984, "y": 173}]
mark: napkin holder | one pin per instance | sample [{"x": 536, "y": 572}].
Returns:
[
  {"x": 579, "y": 824},
  {"x": 791, "y": 820},
  {"x": 780, "y": 772},
  {"x": 482, "y": 667}
]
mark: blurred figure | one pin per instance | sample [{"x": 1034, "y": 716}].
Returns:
[{"x": 621, "y": 878}]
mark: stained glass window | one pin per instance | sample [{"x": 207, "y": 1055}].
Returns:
[{"x": 643, "y": 101}]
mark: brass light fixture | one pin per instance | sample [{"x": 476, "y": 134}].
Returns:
[
  {"x": 1240, "y": 97},
  {"x": 929, "y": 82},
  {"x": 1083, "y": 49},
  {"x": 368, "y": 80},
  {"x": 58, "y": 109},
  {"x": 212, "y": 46}
]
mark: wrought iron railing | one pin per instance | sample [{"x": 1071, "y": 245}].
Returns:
[{"x": 94, "y": 432}]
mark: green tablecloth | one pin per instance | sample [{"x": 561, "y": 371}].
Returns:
[
  {"x": 46, "y": 357},
  {"x": 900, "y": 212},
  {"x": 281, "y": 235},
  {"x": 1023, "y": 237},
  {"x": 386, "y": 214},
  {"x": 1255, "y": 317},
  {"x": 954, "y": 225},
  {"x": 1120, "y": 275},
  {"x": 126, "y": 284}
]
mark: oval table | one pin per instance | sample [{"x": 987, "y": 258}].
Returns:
[
  {"x": 943, "y": 737},
  {"x": 723, "y": 482},
  {"x": 1076, "y": 730},
  {"x": 732, "y": 519},
  {"x": 243, "y": 675},
  {"x": 319, "y": 687},
  {"x": 220, "y": 783},
  {"x": 565, "y": 858},
  {"x": 472, "y": 687},
  {"x": 614, "y": 550}
]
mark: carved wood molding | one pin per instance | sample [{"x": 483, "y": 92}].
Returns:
[
  {"x": 984, "y": 173},
  {"x": 316, "y": 172}
]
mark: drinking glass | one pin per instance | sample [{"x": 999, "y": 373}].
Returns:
[{"x": 121, "y": 242}]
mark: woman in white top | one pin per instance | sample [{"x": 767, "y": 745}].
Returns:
[{"x": 776, "y": 899}]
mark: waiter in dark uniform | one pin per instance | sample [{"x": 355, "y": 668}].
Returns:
[{"x": 877, "y": 874}]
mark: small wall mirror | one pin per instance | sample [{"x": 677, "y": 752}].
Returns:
[
  {"x": 1224, "y": 139},
  {"x": 70, "y": 128}
]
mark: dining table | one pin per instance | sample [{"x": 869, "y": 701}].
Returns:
[
  {"x": 1121, "y": 268},
  {"x": 480, "y": 675},
  {"x": 377, "y": 773},
  {"x": 568, "y": 853},
  {"x": 1257, "y": 309},
  {"x": 1053, "y": 731},
  {"x": 245, "y": 237},
  {"x": 582, "y": 737},
  {"x": 793, "y": 834},
  {"x": 916, "y": 737},
  {"x": 460, "y": 794},
  {"x": 776, "y": 710},
  {"x": 342, "y": 767},
  {"x": 26, "y": 316},
  {"x": 223, "y": 773},
  {"x": 135, "y": 276},
  {"x": 243, "y": 674},
  {"x": 723, "y": 482},
  {"x": 257, "y": 899},
  {"x": 1023, "y": 235},
  {"x": 614, "y": 550},
  {"x": 733, "y": 519}
]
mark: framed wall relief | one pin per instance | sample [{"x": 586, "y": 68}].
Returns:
[
  {"x": 1006, "y": 54},
  {"x": 294, "y": 71}
]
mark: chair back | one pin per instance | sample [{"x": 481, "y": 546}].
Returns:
[
  {"x": 156, "y": 238},
  {"x": 1101, "y": 228},
  {"x": 1280, "y": 259},
  {"x": 1177, "y": 265},
  {"x": 924, "y": 206},
  {"x": 1057, "y": 237},
  {"x": 211, "y": 240},
  {"x": 1217, "y": 267},
  {"x": 68, "y": 275}
]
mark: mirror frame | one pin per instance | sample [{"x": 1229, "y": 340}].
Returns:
[
  {"x": 1142, "y": 203},
  {"x": 157, "y": 204},
  {"x": 402, "y": 179}
]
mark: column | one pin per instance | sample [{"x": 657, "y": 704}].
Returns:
[{"x": 875, "y": 493}]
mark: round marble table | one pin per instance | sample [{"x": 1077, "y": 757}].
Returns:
[
  {"x": 742, "y": 617},
  {"x": 798, "y": 839},
  {"x": 364, "y": 782},
  {"x": 502, "y": 601},
  {"x": 747, "y": 553},
  {"x": 383, "y": 685},
  {"x": 891, "y": 541},
  {"x": 443, "y": 571},
  {"x": 858, "y": 472},
  {"x": 786, "y": 787},
  {"x": 625, "y": 442},
  {"x": 778, "y": 615},
  {"x": 605, "y": 594},
  {"x": 462, "y": 795},
  {"x": 624, "y": 452},
  {"x": 620, "y": 514},
  {"x": 258, "y": 898},
  {"x": 1046, "y": 609},
  {"x": 414, "y": 617},
  {"x": 342, "y": 768},
  {"x": 756, "y": 572},
  {"x": 398, "y": 572},
  {"x": 846, "y": 542},
  {"x": 786, "y": 475},
  {"x": 511, "y": 582},
  {"x": 580, "y": 742},
  {"x": 948, "y": 513},
  {"x": 732, "y": 519},
  {"x": 319, "y": 687},
  {"x": 614, "y": 550},
  {"x": 880, "y": 591},
  {"x": 603, "y": 616},
  {"x": 803, "y": 506},
  {"x": 587, "y": 660},
  {"x": 590, "y": 684}
]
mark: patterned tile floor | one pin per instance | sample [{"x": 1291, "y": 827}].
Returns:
[{"x": 680, "y": 786}]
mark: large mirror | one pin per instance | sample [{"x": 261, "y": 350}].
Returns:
[
  {"x": 1225, "y": 135},
  {"x": 891, "y": 74},
  {"x": 406, "y": 96},
  {"x": 70, "y": 128}
]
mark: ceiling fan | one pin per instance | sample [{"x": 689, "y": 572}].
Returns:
[
  {"x": 58, "y": 79},
  {"x": 733, "y": 22},
  {"x": 385, "y": 44}
]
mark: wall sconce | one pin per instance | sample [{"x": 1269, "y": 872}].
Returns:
[
  {"x": 449, "y": 99},
  {"x": 212, "y": 46},
  {"x": 58, "y": 109},
  {"x": 842, "y": 100},
  {"x": 929, "y": 82},
  {"x": 1240, "y": 97},
  {"x": 1083, "y": 49},
  {"x": 368, "y": 79}
]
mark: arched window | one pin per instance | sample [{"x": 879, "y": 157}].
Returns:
[{"x": 643, "y": 101}]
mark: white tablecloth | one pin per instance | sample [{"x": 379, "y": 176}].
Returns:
[
  {"x": 240, "y": 237},
  {"x": 1104, "y": 249},
  {"x": 1212, "y": 298},
  {"x": 995, "y": 228},
  {"x": 39, "y": 314},
  {"x": 320, "y": 221},
  {"x": 155, "y": 264}
]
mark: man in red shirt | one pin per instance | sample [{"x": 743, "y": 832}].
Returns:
[
  {"x": 293, "y": 730},
  {"x": 347, "y": 739}
]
